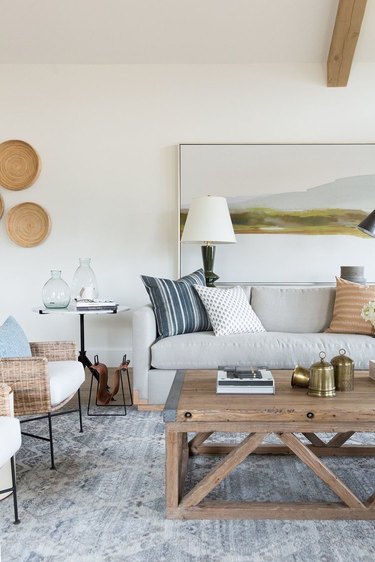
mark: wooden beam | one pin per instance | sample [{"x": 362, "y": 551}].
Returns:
[{"x": 344, "y": 41}]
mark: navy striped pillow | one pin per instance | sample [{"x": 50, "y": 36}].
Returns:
[{"x": 177, "y": 305}]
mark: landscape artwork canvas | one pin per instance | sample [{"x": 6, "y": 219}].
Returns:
[{"x": 294, "y": 208}]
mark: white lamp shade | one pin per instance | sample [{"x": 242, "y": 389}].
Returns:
[{"x": 209, "y": 221}]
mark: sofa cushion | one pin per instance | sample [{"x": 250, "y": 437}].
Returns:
[
  {"x": 350, "y": 299},
  {"x": 293, "y": 309},
  {"x": 177, "y": 306},
  {"x": 229, "y": 310},
  {"x": 277, "y": 350},
  {"x": 13, "y": 340}
]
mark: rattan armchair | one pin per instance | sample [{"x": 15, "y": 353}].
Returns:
[
  {"x": 10, "y": 442},
  {"x": 44, "y": 383},
  {"x": 5, "y": 409}
]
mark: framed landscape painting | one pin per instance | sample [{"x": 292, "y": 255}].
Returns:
[{"x": 294, "y": 208}]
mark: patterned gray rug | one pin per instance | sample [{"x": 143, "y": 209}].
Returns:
[{"x": 105, "y": 503}]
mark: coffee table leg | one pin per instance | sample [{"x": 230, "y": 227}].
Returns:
[
  {"x": 183, "y": 461},
  {"x": 177, "y": 454}
]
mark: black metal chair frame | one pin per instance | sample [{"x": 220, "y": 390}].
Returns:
[
  {"x": 13, "y": 489},
  {"x": 49, "y": 416}
]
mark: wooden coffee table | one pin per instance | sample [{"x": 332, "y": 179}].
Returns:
[{"x": 193, "y": 406}]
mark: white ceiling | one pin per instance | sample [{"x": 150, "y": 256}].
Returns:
[{"x": 173, "y": 31}]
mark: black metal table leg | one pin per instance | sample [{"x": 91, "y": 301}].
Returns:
[{"x": 82, "y": 352}]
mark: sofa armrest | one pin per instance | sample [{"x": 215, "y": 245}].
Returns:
[
  {"x": 144, "y": 335},
  {"x": 54, "y": 350},
  {"x": 28, "y": 378}
]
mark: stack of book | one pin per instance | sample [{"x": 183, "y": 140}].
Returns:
[
  {"x": 87, "y": 305},
  {"x": 236, "y": 380}
]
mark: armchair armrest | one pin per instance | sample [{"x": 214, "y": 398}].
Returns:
[
  {"x": 28, "y": 377},
  {"x": 54, "y": 350},
  {"x": 5, "y": 390}
]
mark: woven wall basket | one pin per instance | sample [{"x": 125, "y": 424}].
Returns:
[
  {"x": 19, "y": 165},
  {"x": 28, "y": 224}
]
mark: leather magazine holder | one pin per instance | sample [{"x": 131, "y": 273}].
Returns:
[{"x": 104, "y": 393}]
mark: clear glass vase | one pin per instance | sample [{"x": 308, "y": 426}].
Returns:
[
  {"x": 84, "y": 284},
  {"x": 56, "y": 292}
]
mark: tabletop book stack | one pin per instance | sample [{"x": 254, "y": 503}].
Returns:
[
  {"x": 236, "y": 380},
  {"x": 87, "y": 305}
]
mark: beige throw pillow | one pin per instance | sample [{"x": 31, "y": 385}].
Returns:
[{"x": 349, "y": 301}]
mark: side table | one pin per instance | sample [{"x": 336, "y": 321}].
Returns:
[{"x": 82, "y": 351}]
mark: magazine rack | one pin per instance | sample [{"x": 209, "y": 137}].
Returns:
[{"x": 111, "y": 403}]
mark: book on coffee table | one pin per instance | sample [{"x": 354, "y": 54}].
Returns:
[{"x": 238, "y": 380}]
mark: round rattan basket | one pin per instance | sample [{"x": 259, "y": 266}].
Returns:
[
  {"x": 19, "y": 165},
  {"x": 28, "y": 224}
]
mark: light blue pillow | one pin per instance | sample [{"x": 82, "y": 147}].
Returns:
[{"x": 13, "y": 340}]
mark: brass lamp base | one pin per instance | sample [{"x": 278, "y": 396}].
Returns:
[{"x": 208, "y": 256}]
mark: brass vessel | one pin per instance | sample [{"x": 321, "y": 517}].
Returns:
[
  {"x": 300, "y": 376},
  {"x": 343, "y": 368},
  {"x": 322, "y": 378}
]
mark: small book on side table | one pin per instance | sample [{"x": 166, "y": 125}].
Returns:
[
  {"x": 239, "y": 380},
  {"x": 85, "y": 305}
]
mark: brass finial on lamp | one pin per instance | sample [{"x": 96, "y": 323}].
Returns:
[{"x": 208, "y": 223}]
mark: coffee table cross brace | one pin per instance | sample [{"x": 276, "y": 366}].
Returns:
[{"x": 192, "y": 505}]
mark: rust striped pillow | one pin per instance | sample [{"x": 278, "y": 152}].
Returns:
[{"x": 349, "y": 301}]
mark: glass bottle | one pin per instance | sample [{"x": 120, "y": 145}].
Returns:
[
  {"x": 84, "y": 284},
  {"x": 56, "y": 292}
]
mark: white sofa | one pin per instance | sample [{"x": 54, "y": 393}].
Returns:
[{"x": 295, "y": 318}]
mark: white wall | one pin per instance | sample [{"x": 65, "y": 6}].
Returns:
[{"x": 107, "y": 137}]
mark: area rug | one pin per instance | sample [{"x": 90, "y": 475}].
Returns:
[{"x": 105, "y": 503}]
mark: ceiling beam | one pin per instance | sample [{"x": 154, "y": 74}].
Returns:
[{"x": 344, "y": 41}]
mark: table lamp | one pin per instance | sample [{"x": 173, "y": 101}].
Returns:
[
  {"x": 368, "y": 225},
  {"x": 208, "y": 222}
]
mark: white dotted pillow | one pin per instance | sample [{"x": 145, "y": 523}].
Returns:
[{"x": 229, "y": 310}]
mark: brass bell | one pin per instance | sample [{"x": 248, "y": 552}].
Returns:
[
  {"x": 300, "y": 376},
  {"x": 322, "y": 378},
  {"x": 343, "y": 368}
]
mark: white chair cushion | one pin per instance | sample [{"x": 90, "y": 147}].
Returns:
[
  {"x": 65, "y": 378},
  {"x": 10, "y": 438}
]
